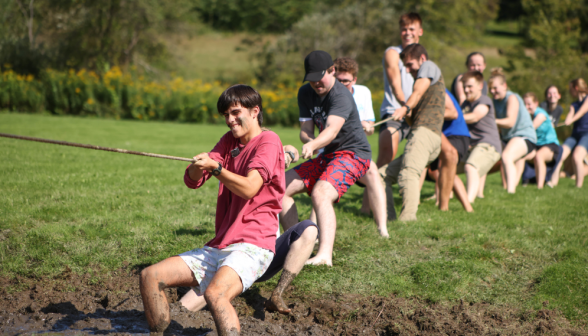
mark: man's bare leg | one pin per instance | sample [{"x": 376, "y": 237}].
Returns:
[
  {"x": 448, "y": 160},
  {"x": 299, "y": 252},
  {"x": 171, "y": 272},
  {"x": 323, "y": 196},
  {"x": 377, "y": 197},
  {"x": 193, "y": 301},
  {"x": 289, "y": 213},
  {"x": 461, "y": 193},
  {"x": 223, "y": 288},
  {"x": 473, "y": 180},
  {"x": 387, "y": 149}
]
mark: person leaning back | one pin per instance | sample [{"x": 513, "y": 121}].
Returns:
[{"x": 249, "y": 163}]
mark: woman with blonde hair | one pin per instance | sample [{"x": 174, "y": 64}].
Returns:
[
  {"x": 516, "y": 128},
  {"x": 578, "y": 142}
]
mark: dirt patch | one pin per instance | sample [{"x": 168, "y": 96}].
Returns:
[{"x": 70, "y": 305}]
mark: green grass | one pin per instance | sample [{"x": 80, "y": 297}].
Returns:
[{"x": 92, "y": 211}]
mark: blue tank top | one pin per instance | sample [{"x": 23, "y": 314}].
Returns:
[
  {"x": 581, "y": 125},
  {"x": 456, "y": 126},
  {"x": 545, "y": 132},
  {"x": 523, "y": 126}
]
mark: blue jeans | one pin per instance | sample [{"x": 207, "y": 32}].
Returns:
[{"x": 580, "y": 139}]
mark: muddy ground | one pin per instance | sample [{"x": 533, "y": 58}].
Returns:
[{"x": 70, "y": 305}]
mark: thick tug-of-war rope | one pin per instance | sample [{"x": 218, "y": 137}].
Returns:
[{"x": 108, "y": 149}]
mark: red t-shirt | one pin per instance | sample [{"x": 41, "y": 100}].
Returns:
[{"x": 253, "y": 221}]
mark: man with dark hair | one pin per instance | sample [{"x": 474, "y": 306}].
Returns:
[
  {"x": 424, "y": 111},
  {"x": 249, "y": 163},
  {"x": 327, "y": 104},
  {"x": 474, "y": 62},
  {"x": 397, "y": 88},
  {"x": 485, "y": 145}
]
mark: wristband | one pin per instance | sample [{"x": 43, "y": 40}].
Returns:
[{"x": 291, "y": 155}]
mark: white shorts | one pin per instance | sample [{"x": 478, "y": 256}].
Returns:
[{"x": 248, "y": 260}]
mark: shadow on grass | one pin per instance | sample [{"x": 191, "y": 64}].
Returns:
[{"x": 191, "y": 232}]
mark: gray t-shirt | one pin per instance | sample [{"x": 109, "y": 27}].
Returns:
[
  {"x": 339, "y": 102},
  {"x": 553, "y": 115},
  {"x": 485, "y": 129},
  {"x": 429, "y": 70}
]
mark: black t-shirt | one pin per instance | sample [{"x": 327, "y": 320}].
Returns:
[
  {"x": 553, "y": 115},
  {"x": 339, "y": 102}
]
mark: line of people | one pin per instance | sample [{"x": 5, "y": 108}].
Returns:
[{"x": 448, "y": 132}]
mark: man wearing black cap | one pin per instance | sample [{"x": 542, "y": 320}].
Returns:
[{"x": 329, "y": 105}]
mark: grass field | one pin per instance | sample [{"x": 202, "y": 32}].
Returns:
[{"x": 92, "y": 212}]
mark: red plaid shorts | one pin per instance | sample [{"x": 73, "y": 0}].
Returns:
[{"x": 341, "y": 169}]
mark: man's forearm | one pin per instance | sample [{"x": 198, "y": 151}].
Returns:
[
  {"x": 324, "y": 138},
  {"x": 243, "y": 186},
  {"x": 195, "y": 173},
  {"x": 397, "y": 90},
  {"x": 305, "y": 138}
]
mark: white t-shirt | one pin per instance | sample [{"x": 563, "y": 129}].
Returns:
[{"x": 363, "y": 100}]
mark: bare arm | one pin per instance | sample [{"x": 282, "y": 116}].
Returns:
[
  {"x": 512, "y": 112},
  {"x": 459, "y": 91},
  {"x": 477, "y": 114},
  {"x": 306, "y": 131},
  {"x": 450, "y": 110},
  {"x": 538, "y": 120},
  {"x": 580, "y": 113},
  {"x": 570, "y": 116},
  {"x": 334, "y": 124},
  {"x": 421, "y": 85},
  {"x": 243, "y": 186},
  {"x": 393, "y": 74}
]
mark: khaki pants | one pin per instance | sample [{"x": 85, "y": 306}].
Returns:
[{"x": 422, "y": 148}]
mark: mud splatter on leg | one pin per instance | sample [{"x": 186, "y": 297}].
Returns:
[{"x": 276, "y": 303}]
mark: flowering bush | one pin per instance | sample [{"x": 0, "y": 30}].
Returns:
[{"x": 129, "y": 96}]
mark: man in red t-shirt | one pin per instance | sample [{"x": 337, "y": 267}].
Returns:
[{"x": 249, "y": 163}]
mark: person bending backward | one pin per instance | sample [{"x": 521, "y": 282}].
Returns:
[
  {"x": 424, "y": 111},
  {"x": 578, "y": 141},
  {"x": 293, "y": 248},
  {"x": 547, "y": 142},
  {"x": 551, "y": 106},
  {"x": 346, "y": 72},
  {"x": 398, "y": 85},
  {"x": 485, "y": 146},
  {"x": 327, "y": 104},
  {"x": 249, "y": 163},
  {"x": 516, "y": 129},
  {"x": 474, "y": 62},
  {"x": 455, "y": 141}
]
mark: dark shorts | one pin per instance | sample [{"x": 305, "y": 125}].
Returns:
[
  {"x": 340, "y": 169},
  {"x": 530, "y": 146},
  {"x": 461, "y": 144},
  {"x": 404, "y": 127},
  {"x": 283, "y": 247},
  {"x": 554, "y": 148}
]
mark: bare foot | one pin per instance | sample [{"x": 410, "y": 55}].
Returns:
[
  {"x": 318, "y": 261},
  {"x": 276, "y": 303},
  {"x": 383, "y": 232}
]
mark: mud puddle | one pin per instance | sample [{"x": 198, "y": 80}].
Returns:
[{"x": 72, "y": 306}]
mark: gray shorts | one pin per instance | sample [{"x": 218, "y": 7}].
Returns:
[{"x": 403, "y": 127}]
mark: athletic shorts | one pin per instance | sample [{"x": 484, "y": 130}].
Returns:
[
  {"x": 483, "y": 157},
  {"x": 340, "y": 169},
  {"x": 283, "y": 247},
  {"x": 530, "y": 146},
  {"x": 404, "y": 127},
  {"x": 461, "y": 144},
  {"x": 554, "y": 149},
  {"x": 249, "y": 261},
  {"x": 577, "y": 140}
]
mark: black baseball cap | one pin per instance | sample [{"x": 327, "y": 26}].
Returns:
[{"x": 316, "y": 64}]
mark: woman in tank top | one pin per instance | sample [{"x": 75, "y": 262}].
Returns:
[
  {"x": 578, "y": 142},
  {"x": 516, "y": 129}
]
